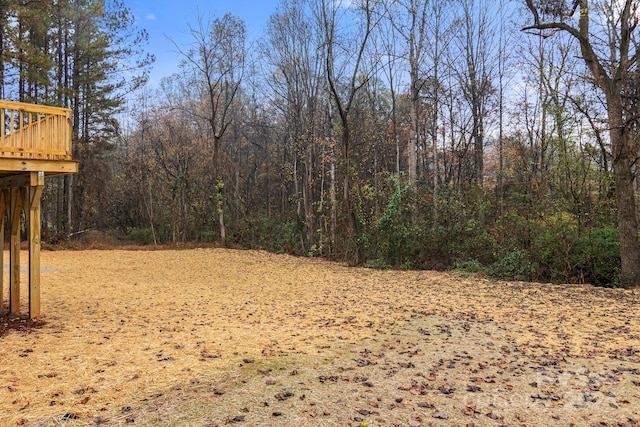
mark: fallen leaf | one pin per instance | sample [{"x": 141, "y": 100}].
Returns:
[
  {"x": 426, "y": 405},
  {"x": 469, "y": 410},
  {"x": 445, "y": 390}
]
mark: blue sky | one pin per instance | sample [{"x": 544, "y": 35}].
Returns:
[{"x": 164, "y": 18}]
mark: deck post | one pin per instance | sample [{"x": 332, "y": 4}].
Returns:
[
  {"x": 3, "y": 208},
  {"x": 33, "y": 195},
  {"x": 15, "y": 206}
]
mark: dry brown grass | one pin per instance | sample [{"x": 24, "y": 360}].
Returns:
[{"x": 206, "y": 337}]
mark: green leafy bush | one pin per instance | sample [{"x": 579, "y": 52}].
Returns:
[
  {"x": 472, "y": 266},
  {"x": 393, "y": 241},
  {"x": 141, "y": 236},
  {"x": 597, "y": 253},
  {"x": 514, "y": 264},
  {"x": 271, "y": 234}
]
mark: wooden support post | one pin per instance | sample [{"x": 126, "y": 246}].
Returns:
[
  {"x": 34, "y": 193},
  {"x": 15, "y": 206},
  {"x": 4, "y": 196}
]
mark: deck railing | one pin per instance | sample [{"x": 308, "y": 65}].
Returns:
[{"x": 34, "y": 132}]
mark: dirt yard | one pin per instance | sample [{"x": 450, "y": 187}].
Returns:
[{"x": 212, "y": 337}]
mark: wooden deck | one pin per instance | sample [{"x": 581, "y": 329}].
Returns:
[{"x": 35, "y": 142}]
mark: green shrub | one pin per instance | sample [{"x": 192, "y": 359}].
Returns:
[
  {"x": 394, "y": 240},
  {"x": 514, "y": 265},
  {"x": 271, "y": 234},
  {"x": 566, "y": 254},
  {"x": 597, "y": 254},
  {"x": 141, "y": 236},
  {"x": 472, "y": 266}
]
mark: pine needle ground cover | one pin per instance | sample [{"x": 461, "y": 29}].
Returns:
[{"x": 213, "y": 337}]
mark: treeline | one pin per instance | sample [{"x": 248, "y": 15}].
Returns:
[{"x": 407, "y": 134}]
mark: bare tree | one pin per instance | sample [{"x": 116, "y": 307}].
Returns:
[
  {"x": 347, "y": 29},
  {"x": 476, "y": 46},
  {"x": 388, "y": 47},
  {"x": 291, "y": 48},
  {"x": 410, "y": 19},
  {"x": 505, "y": 71},
  {"x": 216, "y": 60}
]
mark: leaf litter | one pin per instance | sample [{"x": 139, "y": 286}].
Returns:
[{"x": 215, "y": 337}]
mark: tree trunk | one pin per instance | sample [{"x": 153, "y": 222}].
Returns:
[
  {"x": 412, "y": 144},
  {"x": 2, "y": 52},
  {"x": 308, "y": 195},
  {"x": 223, "y": 228},
  {"x": 333, "y": 201},
  {"x": 623, "y": 159},
  {"x": 69, "y": 191},
  {"x": 348, "y": 206},
  {"x": 220, "y": 209}
]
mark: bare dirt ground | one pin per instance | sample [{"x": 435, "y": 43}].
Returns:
[{"x": 213, "y": 337}]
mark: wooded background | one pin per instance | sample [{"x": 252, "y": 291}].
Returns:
[{"x": 394, "y": 134}]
